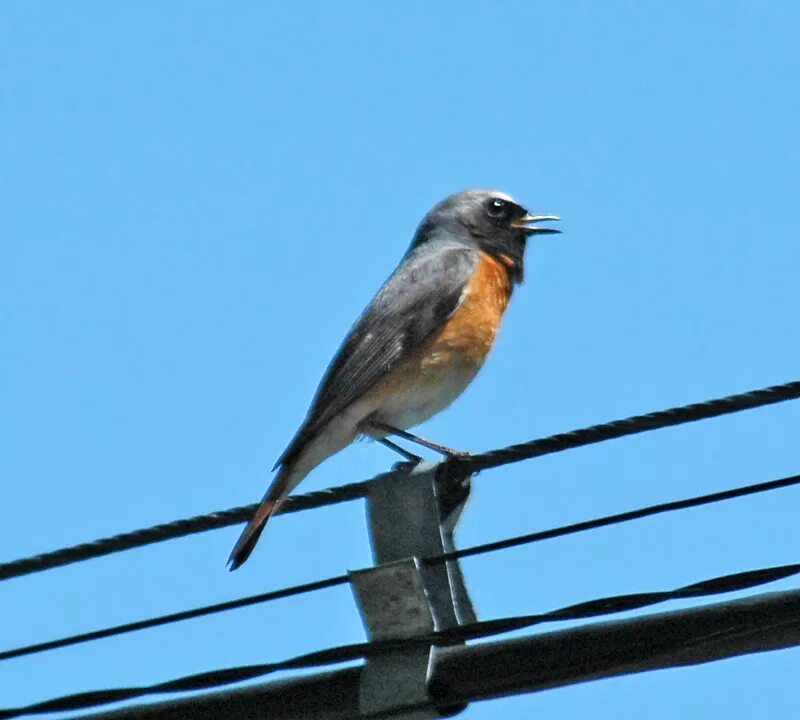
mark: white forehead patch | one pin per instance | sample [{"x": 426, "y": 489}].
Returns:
[{"x": 502, "y": 196}]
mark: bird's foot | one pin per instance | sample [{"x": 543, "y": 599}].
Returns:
[{"x": 379, "y": 427}]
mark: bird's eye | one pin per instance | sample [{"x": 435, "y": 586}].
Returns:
[{"x": 497, "y": 208}]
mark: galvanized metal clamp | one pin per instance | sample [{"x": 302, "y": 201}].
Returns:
[{"x": 412, "y": 516}]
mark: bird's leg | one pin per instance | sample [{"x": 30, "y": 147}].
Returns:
[
  {"x": 408, "y": 455},
  {"x": 436, "y": 447}
]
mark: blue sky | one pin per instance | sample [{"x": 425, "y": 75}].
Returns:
[{"x": 198, "y": 199}]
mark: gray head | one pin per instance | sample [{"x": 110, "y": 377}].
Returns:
[{"x": 488, "y": 220}]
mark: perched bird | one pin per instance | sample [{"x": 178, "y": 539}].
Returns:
[{"x": 418, "y": 344}]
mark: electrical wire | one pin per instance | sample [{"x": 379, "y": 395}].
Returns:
[
  {"x": 174, "y": 617},
  {"x": 172, "y": 530},
  {"x": 472, "y": 631},
  {"x": 460, "y": 466},
  {"x": 616, "y": 519},
  {"x": 466, "y": 552},
  {"x": 629, "y": 426}
]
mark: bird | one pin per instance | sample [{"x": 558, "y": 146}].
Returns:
[{"x": 417, "y": 345}]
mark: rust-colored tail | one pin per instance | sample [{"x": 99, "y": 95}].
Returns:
[{"x": 278, "y": 491}]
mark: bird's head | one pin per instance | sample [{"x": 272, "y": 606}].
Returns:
[{"x": 487, "y": 219}]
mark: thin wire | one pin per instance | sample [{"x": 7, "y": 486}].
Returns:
[
  {"x": 472, "y": 631},
  {"x": 616, "y": 519},
  {"x": 466, "y": 552},
  {"x": 174, "y": 617},
  {"x": 459, "y": 466}
]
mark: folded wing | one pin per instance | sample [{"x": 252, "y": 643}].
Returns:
[{"x": 408, "y": 311}]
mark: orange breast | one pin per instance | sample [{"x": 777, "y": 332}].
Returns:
[
  {"x": 470, "y": 332},
  {"x": 435, "y": 376}
]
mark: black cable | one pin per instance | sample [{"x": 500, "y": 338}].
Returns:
[
  {"x": 616, "y": 519},
  {"x": 466, "y": 552},
  {"x": 174, "y": 617},
  {"x": 628, "y": 426},
  {"x": 344, "y": 653},
  {"x": 172, "y": 530},
  {"x": 460, "y": 466}
]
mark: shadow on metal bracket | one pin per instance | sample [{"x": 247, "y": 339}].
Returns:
[{"x": 411, "y": 516}]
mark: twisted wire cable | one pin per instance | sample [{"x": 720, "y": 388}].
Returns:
[
  {"x": 344, "y": 653},
  {"x": 461, "y": 466},
  {"x": 342, "y": 579}
]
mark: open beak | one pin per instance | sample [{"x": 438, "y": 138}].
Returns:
[{"x": 528, "y": 223}]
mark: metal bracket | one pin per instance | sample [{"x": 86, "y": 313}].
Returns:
[{"x": 412, "y": 516}]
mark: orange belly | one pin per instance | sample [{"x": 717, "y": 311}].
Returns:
[{"x": 433, "y": 378}]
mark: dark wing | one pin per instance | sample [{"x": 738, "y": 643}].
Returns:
[{"x": 408, "y": 311}]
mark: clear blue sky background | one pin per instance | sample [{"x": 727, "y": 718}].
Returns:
[{"x": 197, "y": 200}]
